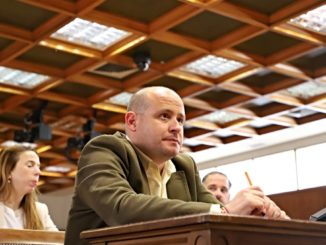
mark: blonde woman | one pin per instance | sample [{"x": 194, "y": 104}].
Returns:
[{"x": 19, "y": 174}]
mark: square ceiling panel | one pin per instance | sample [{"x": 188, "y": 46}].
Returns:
[
  {"x": 15, "y": 12},
  {"x": 4, "y": 97},
  {"x": 191, "y": 142},
  {"x": 75, "y": 89},
  {"x": 207, "y": 26},
  {"x": 51, "y": 106},
  {"x": 200, "y": 147},
  {"x": 192, "y": 112},
  {"x": 90, "y": 34},
  {"x": 119, "y": 72},
  {"x": 260, "y": 101},
  {"x": 212, "y": 66},
  {"x": 173, "y": 83},
  {"x": 268, "y": 109},
  {"x": 265, "y": 7},
  {"x": 269, "y": 129},
  {"x": 260, "y": 123},
  {"x": 120, "y": 99},
  {"x": 274, "y": 41},
  {"x": 308, "y": 90},
  {"x": 191, "y": 132},
  {"x": 159, "y": 51},
  {"x": 222, "y": 98},
  {"x": 232, "y": 138},
  {"x": 300, "y": 113},
  {"x": 104, "y": 116},
  {"x": 28, "y": 80},
  {"x": 221, "y": 117},
  {"x": 51, "y": 57},
  {"x": 312, "y": 61},
  {"x": 305, "y": 115},
  {"x": 12, "y": 118},
  {"x": 223, "y": 133},
  {"x": 313, "y": 20},
  {"x": 4, "y": 43},
  {"x": 140, "y": 10},
  {"x": 267, "y": 81}
]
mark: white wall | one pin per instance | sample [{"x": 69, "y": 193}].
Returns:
[
  {"x": 282, "y": 140},
  {"x": 59, "y": 203}
]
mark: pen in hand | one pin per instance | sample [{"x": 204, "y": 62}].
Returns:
[
  {"x": 250, "y": 184},
  {"x": 248, "y": 178}
]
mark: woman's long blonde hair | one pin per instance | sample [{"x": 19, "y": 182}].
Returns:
[{"x": 8, "y": 160}]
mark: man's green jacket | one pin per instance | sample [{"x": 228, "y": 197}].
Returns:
[{"x": 111, "y": 188}]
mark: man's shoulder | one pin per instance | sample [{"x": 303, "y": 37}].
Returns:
[
  {"x": 117, "y": 136},
  {"x": 183, "y": 161},
  {"x": 116, "y": 144},
  {"x": 184, "y": 157},
  {"x": 110, "y": 139}
]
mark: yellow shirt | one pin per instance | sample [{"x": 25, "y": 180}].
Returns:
[{"x": 156, "y": 181}]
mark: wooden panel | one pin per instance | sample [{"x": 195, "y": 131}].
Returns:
[
  {"x": 301, "y": 204},
  {"x": 21, "y": 237},
  {"x": 211, "y": 229}
]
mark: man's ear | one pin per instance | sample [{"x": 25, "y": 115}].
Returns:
[{"x": 130, "y": 119}]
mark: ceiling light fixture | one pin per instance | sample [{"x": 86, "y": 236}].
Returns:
[
  {"x": 91, "y": 34},
  {"x": 212, "y": 66},
  {"x": 314, "y": 20},
  {"x": 20, "y": 78}
]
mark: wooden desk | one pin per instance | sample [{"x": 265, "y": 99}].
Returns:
[
  {"x": 211, "y": 230},
  {"x": 22, "y": 237}
]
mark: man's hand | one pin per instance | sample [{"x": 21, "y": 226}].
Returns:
[
  {"x": 252, "y": 201},
  {"x": 246, "y": 201},
  {"x": 273, "y": 211}
]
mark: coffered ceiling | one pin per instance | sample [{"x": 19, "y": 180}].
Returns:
[{"x": 243, "y": 68}]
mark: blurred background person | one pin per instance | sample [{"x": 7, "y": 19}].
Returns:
[
  {"x": 19, "y": 175},
  {"x": 219, "y": 185}
]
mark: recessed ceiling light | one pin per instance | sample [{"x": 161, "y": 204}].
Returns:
[
  {"x": 90, "y": 34},
  {"x": 307, "y": 90},
  {"x": 120, "y": 99},
  {"x": 21, "y": 78},
  {"x": 314, "y": 20},
  {"x": 10, "y": 143},
  {"x": 221, "y": 117},
  {"x": 212, "y": 66}
]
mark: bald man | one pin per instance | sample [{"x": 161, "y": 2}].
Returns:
[
  {"x": 219, "y": 185},
  {"x": 142, "y": 175}
]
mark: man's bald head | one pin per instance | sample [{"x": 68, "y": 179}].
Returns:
[
  {"x": 154, "y": 122},
  {"x": 139, "y": 102}
]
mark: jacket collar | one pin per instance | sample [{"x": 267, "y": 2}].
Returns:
[{"x": 142, "y": 157}]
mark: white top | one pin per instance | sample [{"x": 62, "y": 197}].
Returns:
[{"x": 14, "y": 219}]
